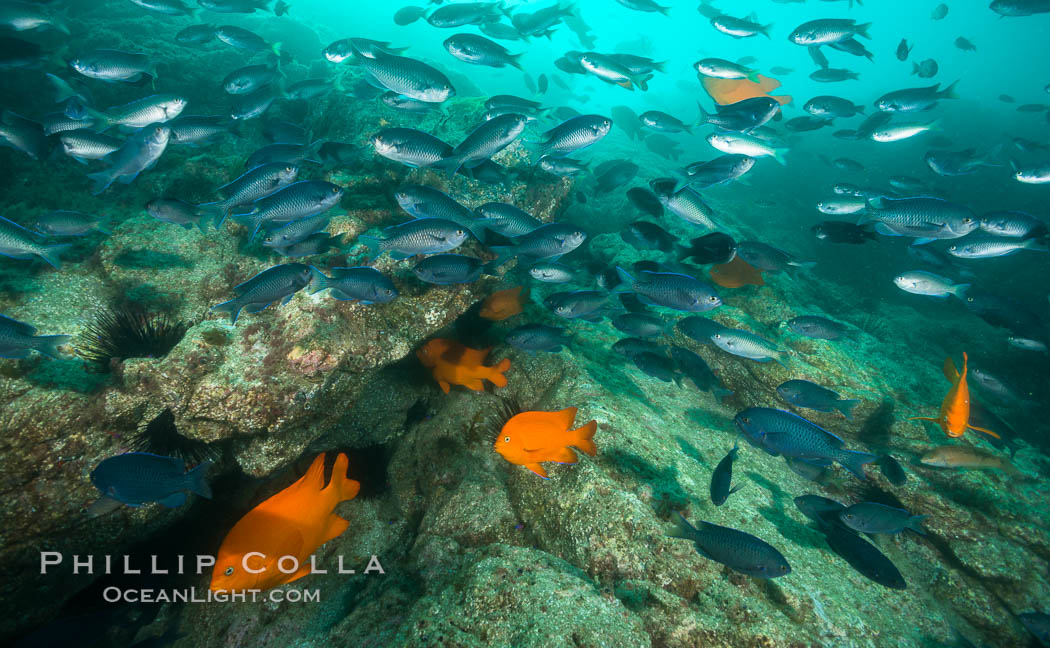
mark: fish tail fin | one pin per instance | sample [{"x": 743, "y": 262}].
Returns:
[
  {"x": 682, "y": 528},
  {"x": 50, "y": 254},
  {"x": 196, "y": 479},
  {"x": 233, "y": 307},
  {"x": 276, "y": 49},
  {"x": 100, "y": 121},
  {"x": 342, "y": 486},
  {"x": 504, "y": 253},
  {"x": 583, "y": 438},
  {"x": 949, "y": 92},
  {"x": 496, "y": 376},
  {"x": 778, "y": 155},
  {"x": 450, "y": 165},
  {"x": 704, "y": 116},
  {"x": 666, "y": 11},
  {"x": 60, "y": 25},
  {"x": 862, "y": 30},
  {"x": 752, "y": 76},
  {"x": 982, "y": 430},
  {"x": 624, "y": 278},
  {"x": 375, "y": 245},
  {"x": 318, "y": 281},
  {"x": 515, "y": 61},
  {"x": 214, "y": 210},
  {"x": 846, "y": 407},
  {"x": 764, "y": 30},
  {"x": 48, "y": 344},
  {"x": 915, "y": 524},
  {"x": 102, "y": 180},
  {"x": 854, "y": 461},
  {"x": 103, "y": 225},
  {"x": 960, "y": 290}
]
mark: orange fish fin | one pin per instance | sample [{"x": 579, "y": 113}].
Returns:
[
  {"x": 472, "y": 357},
  {"x": 981, "y": 429},
  {"x": 445, "y": 387},
  {"x": 336, "y": 527},
  {"x": 303, "y": 571},
  {"x": 949, "y": 370},
  {"x": 626, "y": 84},
  {"x": 496, "y": 377},
  {"x": 538, "y": 469},
  {"x": 563, "y": 456},
  {"x": 767, "y": 84},
  {"x": 565, "y": 417},
  {"x": 583, "y": 438},
  {"x": 314, "y": 478},
  {"x": 344, "y": 487}
]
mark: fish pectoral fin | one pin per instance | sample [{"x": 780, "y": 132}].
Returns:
[
  {"x": 984, "y": 430},
  {"x": 336, "y": 527},
  {"x": 538, "y": 469},
  {"x": 564, "y": 456},
  {"x": 474, "y": 385},
  {"x": 445, "y": 387}
]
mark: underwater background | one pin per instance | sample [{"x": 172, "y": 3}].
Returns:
[{"x": 262, "y": 290}]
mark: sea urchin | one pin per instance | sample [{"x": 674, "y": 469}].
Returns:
[
  {"x": 128, "y": 331},
  {"x": 161, "y": 437}
]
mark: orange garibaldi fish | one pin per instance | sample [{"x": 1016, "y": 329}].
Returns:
[
  {"x": 294, "y": 522},
  {"x": 529, "y": 438},
  {"x": 451, "y": 363},
  {"x": 503, "y": 304},
  {"x": 955, "y": 408},
  {"x": 736, "y": 273},
  {"x": 727, "y": 91}
]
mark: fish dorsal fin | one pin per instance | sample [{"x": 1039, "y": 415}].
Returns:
[
  {"x": 473, "y": 357},
  {"x": 565, "y": 417},
  {"x": 950, "y": 372},
  {"x": 341, "y": 487},
  {"x": 313, "y": 480}
]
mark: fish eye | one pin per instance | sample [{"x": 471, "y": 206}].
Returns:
[
  {"x": 229, "y": 571},
  {"x": 718, "y": 336},
  {"x": 954, "y": 247},
  {"x": 967, "y": 220},
  {"x": 460, "y": 232},
  {"x": 335, "y": 189},
  {"x": 506, "y": 439},
  {"x": 712, "y": 298}
]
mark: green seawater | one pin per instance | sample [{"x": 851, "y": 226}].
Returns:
[{"x": 448, "y": 542}]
